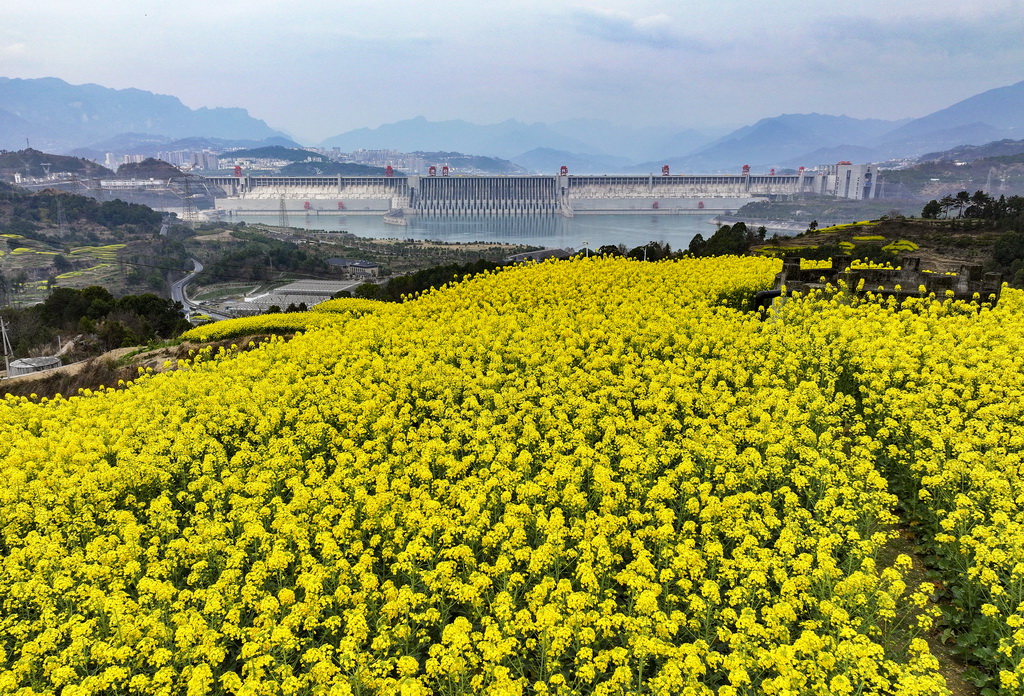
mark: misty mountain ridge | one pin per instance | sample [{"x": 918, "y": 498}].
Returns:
[
  {"x": 972, "y": 153},
  {"x": 631, "y": 143},
  {"x": 511, "y": 139},
  {"x": 58, "y": 116},
  {"x": 504, "y": 140},
  {"x": 1001, "y": 108},
  {"x": 546, "y": 160},
  {"x": 789, "y": 140},
  {"x": 916, "y": 145},
  {"x": 815, "y": 127},
  {"x": 829, "y": 155},
  {"x": 592, "y": 145},
  {"x": 785, "y": 141},
  {"x": 61, "y": 117}
]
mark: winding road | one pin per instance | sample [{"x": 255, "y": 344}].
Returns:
[{"x": 178, "y": 293}]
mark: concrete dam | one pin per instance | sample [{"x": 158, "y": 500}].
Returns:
[{"x": 503, "y": 195}]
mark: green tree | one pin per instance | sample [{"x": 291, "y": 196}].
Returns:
[
  {"x": 61, "y": 264},
  {"x": 960, "y": 202},
  {"x": 610, "y": 250},
  {"x": 931, "y": 210},
  {"x": 1008, "y": 248},
  {"x": 947, "y": 203},
  {"x": 697, "y": 245},
  {"x": 369, "y": 291},
  {"x": 730, "y": 239},
  {"x": 652, "y": 251},
  {"x": 114, "y": 334}
]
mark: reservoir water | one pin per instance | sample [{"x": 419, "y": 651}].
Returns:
[{"x": 592, "y": 231}]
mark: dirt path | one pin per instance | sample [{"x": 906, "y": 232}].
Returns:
[
  {"x": 951, "y": 666},
  {"x": 154, "y": 359}
]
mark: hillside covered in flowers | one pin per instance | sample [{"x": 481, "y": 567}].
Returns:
[{"x": 598, "y": 476}]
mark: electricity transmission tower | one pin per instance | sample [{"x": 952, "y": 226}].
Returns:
[
  {"x": 62, "y": 218},
  {"x": 189, "y": 213},
  {"x": 283, "y": 215}
]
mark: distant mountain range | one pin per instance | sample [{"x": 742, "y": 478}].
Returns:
[
  {"x": 595, "y": 143},
  {"x": 546, "y": 159},
  {"x": 56, "y": 116},
  {"x": 89, "y": 120},
  {"x": 971, "y": 153},
  {"x": 775, "y": 141},
  {"x": 418, "y": 134},
  {"x": 786, "y": 141},
  {"x": 794, "y": 140}
]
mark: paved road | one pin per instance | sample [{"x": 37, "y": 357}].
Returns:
[
  {"x": 178, "y": 293},
  {"x": 178, "y": 287}
]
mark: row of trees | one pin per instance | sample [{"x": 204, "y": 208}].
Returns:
[
  {"x": 651, "y": 251},
  {"x": 727, "y": 239},
  {"x": 105, "y": 321},
  {"x": 978, "y": 205},
  {"x": 421, "y": 281},
  {"x": 1008, "y": 213}
]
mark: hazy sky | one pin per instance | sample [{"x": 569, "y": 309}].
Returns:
[{"x": 318, "y": 68}]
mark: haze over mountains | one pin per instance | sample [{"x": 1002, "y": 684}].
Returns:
[
  {"x": 87, "y": 120},
  {"x": 56, "y": 116}
]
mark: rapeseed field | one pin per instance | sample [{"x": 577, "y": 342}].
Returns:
[{"x": 598, "y": 476}]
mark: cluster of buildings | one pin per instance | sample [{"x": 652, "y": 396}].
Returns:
[
  {"x": 206, "y": 160},
  {"x": 403, "y": 161}
]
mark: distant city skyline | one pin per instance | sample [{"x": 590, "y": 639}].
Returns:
[{"x": 315, "y": 70}]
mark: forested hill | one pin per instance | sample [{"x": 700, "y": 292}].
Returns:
[
  {"x": 971, "y": 153},
  {"x": 148, "y": 168},
  {"x": 29, "y": 162}
]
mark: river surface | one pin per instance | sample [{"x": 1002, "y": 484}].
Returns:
[{"x": 556, "y": 231}]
